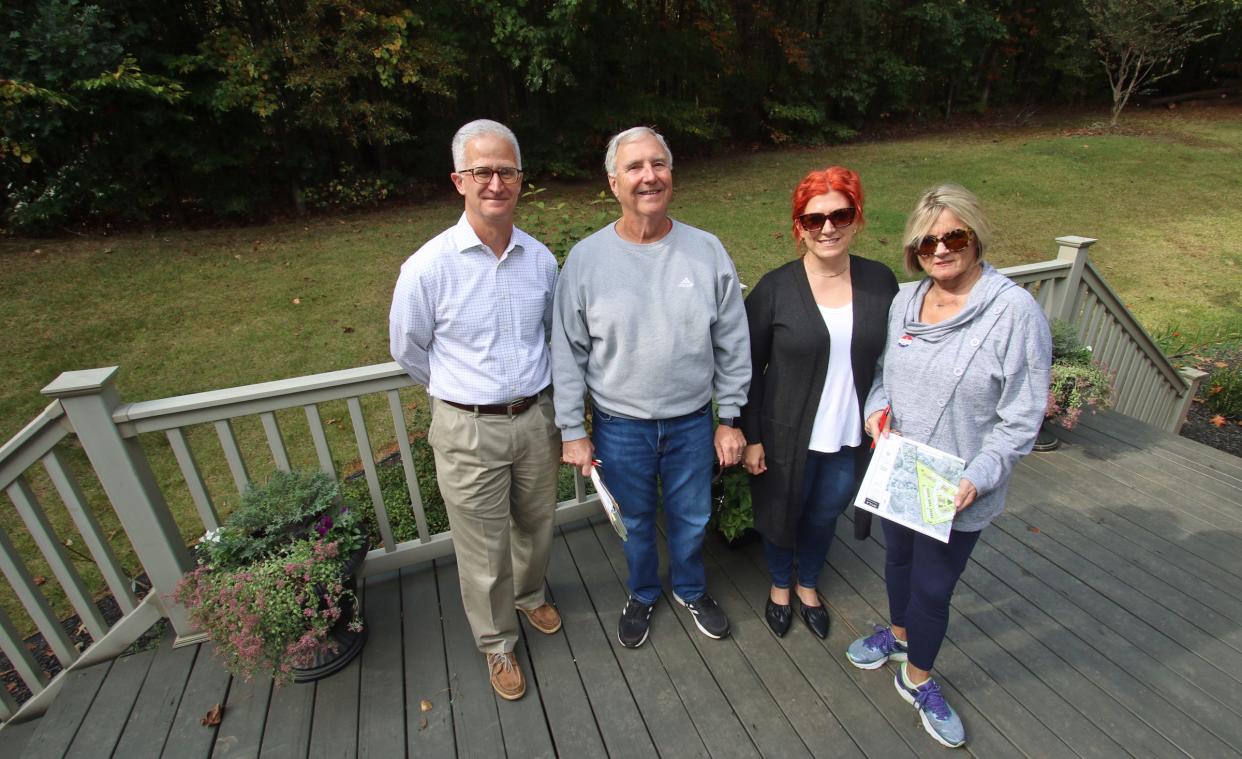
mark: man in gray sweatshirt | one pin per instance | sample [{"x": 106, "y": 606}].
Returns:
[{"x": 648, "y": 320}]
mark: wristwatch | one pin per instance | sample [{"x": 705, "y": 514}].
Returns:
[{"x": 728, "y": 421}]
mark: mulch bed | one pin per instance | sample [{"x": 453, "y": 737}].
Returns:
[{"x": 1199, "y": 426}]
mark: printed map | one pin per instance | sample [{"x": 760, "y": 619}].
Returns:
[{"x": 912, "y": 484}]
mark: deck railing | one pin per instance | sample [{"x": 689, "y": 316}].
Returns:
[{"x": 88, "y": 420}]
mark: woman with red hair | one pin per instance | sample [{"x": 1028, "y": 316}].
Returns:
[{"x": 817, "y": 328}]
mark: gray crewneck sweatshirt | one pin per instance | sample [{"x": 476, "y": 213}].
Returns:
[{"x": 651, "y": 331}]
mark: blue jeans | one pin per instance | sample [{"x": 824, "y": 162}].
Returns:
[
  {"x": 827, "y": 484},
  {"x": 642, "y": 459}
]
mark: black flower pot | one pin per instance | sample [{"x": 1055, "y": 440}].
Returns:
[
  {"x": 1045, "y": 440},
  {"x": 346, "y": 643}
]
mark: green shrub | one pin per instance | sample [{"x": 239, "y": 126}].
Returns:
[
  {"x": 1067, "y": 348},
  {"x": 288, "y": 507},
  {"x": 1222, "y": 393},
  {"x": 732, "y": 514},
  {"x": 396, "y": 495}
]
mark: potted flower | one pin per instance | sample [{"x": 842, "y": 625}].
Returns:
[
  {"x": 274, "y": 585},
  {"x": 1079, "y": 383}
]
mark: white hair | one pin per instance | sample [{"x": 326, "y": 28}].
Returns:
[
  {"x": 479, "y": 128},
  {"x": 630, "y": 135}
]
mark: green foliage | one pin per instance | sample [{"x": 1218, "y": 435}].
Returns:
[
  {"x": 559, "y": 225},
  {"x": 1142, "y": 41},
  {"x": 733, "y": 514},
  {"x": 288, "y": 507},
  {"x": 1222, "y": 392},
  {"x": 167, "y": 111},
  {"x": 396, "y": 495},
  {"x": 1067, "y": 348}
]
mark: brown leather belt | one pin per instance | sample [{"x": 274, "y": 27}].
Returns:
[{"x": 507, "y": 409}]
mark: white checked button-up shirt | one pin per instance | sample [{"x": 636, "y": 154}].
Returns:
[{"x": 470, "y": 326}]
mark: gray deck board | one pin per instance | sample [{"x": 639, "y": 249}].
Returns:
[
  {"x": 101, "y": 728},
  {"x": 570, "y": 718},
  {"x": 16, "y": 736},
  {"x": 429, "y": 733},
  {"x": 710, "y": 711},
  {"x": 288, "y": 728},
  {"x": 663, "y": 714},
  {"x": 59, "y": 725},
  {"x": 587, "y": 631},
  {"x": 830, "y": 715},
  {"x": 151, "y": 719},
  {"x": 476, "y": 721},
  {"x": 1101, "y": 616},
  {"x": 1181, "y": 531},
  {"x": 334, "y": 725},
  {"x": 208, "y": 686},
  {"x": 245, "y": 711},
  {"x": 382, "y": 711}
]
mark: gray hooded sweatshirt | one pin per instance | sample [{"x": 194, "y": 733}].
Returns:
[{"x": 975, "y": 385}]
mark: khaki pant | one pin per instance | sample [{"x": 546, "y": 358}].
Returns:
[{"x": 498, "y": 477}]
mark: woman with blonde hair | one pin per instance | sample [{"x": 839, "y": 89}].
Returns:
[
  {"x": 965, "y": 369},
  {"x": 816, "y": 330}
]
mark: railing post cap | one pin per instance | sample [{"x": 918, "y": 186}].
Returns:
[
  {"x": 1075, "y": 241},
  {"x": 81, "y": 382}
]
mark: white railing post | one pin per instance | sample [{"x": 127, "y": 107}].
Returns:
[
  {"x": 89, "y": 397},
  {"x": 1194, "y": 377},
  {"x": 1073, "y": 249}
]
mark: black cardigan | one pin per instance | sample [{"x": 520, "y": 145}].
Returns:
[{"x": 789, "y": 346}]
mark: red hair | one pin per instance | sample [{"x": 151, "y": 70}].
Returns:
[{"x": 821, "y": 182}]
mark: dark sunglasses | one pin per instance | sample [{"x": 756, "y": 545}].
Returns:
[
  {"x": 840, "y": 218},
  {"x": 954, "y": 240}
]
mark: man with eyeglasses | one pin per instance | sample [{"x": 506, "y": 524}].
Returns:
[
  {"x": 649, "y": 322},
  {"x": 470, "y": 319}
]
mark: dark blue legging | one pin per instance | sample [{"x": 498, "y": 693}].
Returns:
[{"x": 921, "y": 573}]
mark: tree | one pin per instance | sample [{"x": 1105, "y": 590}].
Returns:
[{"x": 1142, "y": 41}]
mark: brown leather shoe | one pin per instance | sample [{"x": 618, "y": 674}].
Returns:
[
  {"x": 507, "y": 678},
  {"x": 546, "y": 619}
]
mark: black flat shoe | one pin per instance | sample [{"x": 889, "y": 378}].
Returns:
[
  {"x": 816, "y": 618},
  {"x": 778, "y": 616}
]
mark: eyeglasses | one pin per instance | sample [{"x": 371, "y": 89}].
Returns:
[
  {"x": 484, "y": 174},
  {"x": 955, "y": 240},
  {"x": 840, "y": 218}
]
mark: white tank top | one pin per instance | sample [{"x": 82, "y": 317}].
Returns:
[{"x": 837, "y": 423}]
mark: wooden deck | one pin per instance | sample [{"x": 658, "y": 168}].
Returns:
[{"x": 1099, "y": 617}]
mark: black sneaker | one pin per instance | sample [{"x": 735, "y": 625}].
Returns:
[
  {"x": 708, "y": 617},
  {"x": 635, "y": 623}
]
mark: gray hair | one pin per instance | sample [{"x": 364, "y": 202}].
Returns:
[
  {"x": 944, "y": 197},
  {"x": 630, "y": 135},
  {"x": 479, "y": 128}
]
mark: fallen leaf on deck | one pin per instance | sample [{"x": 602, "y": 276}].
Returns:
[
  {"x": 1218, "y": 421},
  {"x": 424, "y": 705},
  {"x": 422, "y": 724},
  {"x": 1033, "y": 529},
  {"x": 212, "y": 718}
]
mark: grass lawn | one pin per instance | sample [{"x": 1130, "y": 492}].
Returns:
[{"x": 182, "y": 312}]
